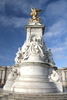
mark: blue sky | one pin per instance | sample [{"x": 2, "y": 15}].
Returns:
[{"x": 14, "y": 14}]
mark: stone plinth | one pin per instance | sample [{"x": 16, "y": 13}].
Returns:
[
  {"x": 33, "y": 79},
  {"x": 34, "y": 30}
]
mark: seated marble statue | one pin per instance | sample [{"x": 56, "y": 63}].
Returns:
[{"x": 35, "y": 47}]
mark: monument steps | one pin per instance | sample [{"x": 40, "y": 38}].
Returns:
[{"x": 49, "y": 96}]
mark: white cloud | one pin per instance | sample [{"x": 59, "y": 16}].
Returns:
[
  {"x": 25, "y": 5},
  {"x": 57, "y": 50},
  {"x": 57, "y": 9},
  {"x": 5, "y": 58},
  {"x": 60, "y": 50},
  {"x": 14, "y": 21},
  {"x": 65, "y": 43},
  {"x": 22, "y": 6},
  {"x": 56, "y": 13},
  {"x": 57, "y": 29},
  {"x": 2, "y": 5}
]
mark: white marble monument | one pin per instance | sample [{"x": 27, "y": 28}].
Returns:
[{"x": 33, "y": 71}]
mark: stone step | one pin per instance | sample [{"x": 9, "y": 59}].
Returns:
[
  {"x": 5, "y": 95},
  {"x": 54, "y": 96}
]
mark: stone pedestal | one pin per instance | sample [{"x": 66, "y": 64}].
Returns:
[
  {"x": 34, "y": 30},
  {"x": 31, "y": 75},
  {"x": 33, "y": 79}
]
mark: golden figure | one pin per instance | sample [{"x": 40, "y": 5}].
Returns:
[{"x": 34, "y": 15}]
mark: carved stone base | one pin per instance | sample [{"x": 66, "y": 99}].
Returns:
[{"x": 33, "y": 79}]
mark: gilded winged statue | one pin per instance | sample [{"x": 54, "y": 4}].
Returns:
[{"x": 34, "y": 15}]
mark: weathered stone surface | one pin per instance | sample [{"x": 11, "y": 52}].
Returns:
[{"x": 50, "y": 96}]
